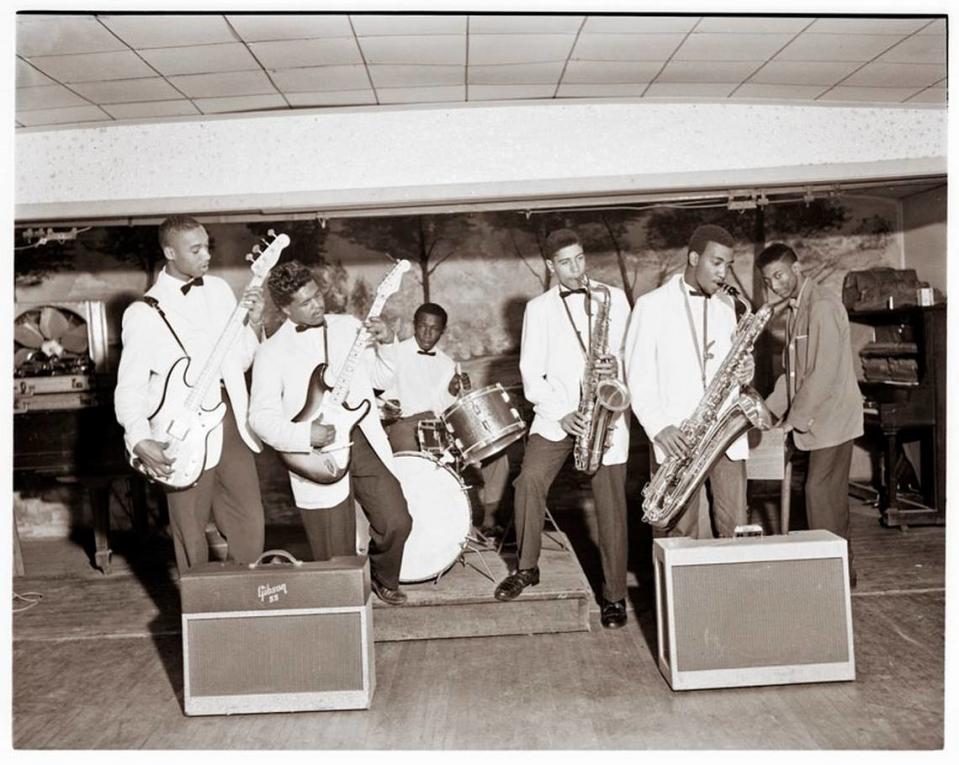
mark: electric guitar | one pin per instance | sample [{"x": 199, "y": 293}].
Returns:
[
  {"x": 327, "y": 403},
  {"x": 181, "y": 419}
]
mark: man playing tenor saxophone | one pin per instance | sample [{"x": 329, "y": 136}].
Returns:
[
  {"x": 560, "y": 356},
  {"x": 679, "y": 335}
]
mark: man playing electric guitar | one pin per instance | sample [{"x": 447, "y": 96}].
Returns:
[
  {"x": 195, "y": 309},
  {"x": 286, "y": 376}
]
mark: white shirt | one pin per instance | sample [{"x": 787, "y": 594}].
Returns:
[
  {"x": 150, "y": 350},
  {"x": 420, "y": 381},
  {"x": 281, "y": 376},
  {"x": 552, "y": 362},
  {"x": 663, "y": 355}
]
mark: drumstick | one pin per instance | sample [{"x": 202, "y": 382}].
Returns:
[{"x": 460, "y": 378}]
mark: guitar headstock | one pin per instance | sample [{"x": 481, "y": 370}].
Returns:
[
  {"x": 261, "y": 261},
  {"x": 391, "y": 282}
]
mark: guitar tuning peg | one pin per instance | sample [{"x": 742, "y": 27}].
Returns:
[
  {"x": 257, "y": 249},
  {"x": 271, "y": 233},
  {"x": 249, "y": 257}
]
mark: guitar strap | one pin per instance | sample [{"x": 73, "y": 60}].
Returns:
[{"x": 155, "y": 304}]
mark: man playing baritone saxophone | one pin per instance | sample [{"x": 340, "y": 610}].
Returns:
[
  {"x": 679, "y": 335},
  {"x": 557, "y": 332}
]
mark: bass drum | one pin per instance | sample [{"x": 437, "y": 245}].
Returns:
[{"x": 439, "y": 504}]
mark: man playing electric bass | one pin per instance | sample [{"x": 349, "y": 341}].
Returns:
[
  {"x": 184, "y": 313},
  {"x": 312, "y": 357}
]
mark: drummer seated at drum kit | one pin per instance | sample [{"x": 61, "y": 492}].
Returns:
[{"x": 425, "y": 386}]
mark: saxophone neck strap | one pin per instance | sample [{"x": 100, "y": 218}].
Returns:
[
  {"x": 589, "y": 325},
  {"x": 702, "y": 355}
]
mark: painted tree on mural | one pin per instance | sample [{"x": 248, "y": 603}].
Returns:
[
  {"x": 134, "y": 245},
  {"x": 519, "y": 235},
  {"x": 33, "y": 264},
  {"x": 427, "y": 240}
]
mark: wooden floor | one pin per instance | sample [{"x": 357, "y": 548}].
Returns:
[{"x": 83, "y": 679}]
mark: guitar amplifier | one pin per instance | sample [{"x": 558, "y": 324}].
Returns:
[
  {"x": 753, "y": 610},
  {"x": 277, "y": 638}
]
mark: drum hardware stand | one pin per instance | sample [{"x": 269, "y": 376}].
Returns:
[
  {"x": 552, "y": 522},
  {"x": 467, "y": 548}
]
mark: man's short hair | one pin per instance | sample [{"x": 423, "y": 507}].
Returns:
[
  {"x": 707, "y": 233},
  {"x": 431, "y": 309},
  {"x": 560, "y": 239},
  {"x": 174, "y": 224},
  {"x": 774, "y": 253},
  {"x": 285, "y": 280}
]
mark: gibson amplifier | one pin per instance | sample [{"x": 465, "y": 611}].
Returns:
[
  {"x": 277, "y": 638},
  {"x": 753, "y": 610}
]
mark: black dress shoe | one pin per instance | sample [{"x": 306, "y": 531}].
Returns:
[
  {"x": 613, "y": 614},
  {"x": 516, "y": 582},
  {"x": 388, "y": 595}
]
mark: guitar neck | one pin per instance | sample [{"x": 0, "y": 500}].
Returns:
[
  {"x": 342, "y": 386},
  {"x": 211, "y": 368}
]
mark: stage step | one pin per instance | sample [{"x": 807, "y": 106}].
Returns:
[{"x": 461, "y": 603}]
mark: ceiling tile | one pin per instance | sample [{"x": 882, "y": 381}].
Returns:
[
  {"x": 708, "y": 71},
  {"x": 416, "y": 76},
  {"x": 867, "y": 26},
  {"x": 518, "y": 49},
  {"x": 531, "y": 24},
  {"x": 813, "y": 47},
  {"x": 28, "y": 75},
  {"x": 320, "y": 79},
  {"x": 918, "y": 49},
  {"x": 689, "y": 90},
  {"x": 753, "y": 24},
  {"x": 224, "y": 84},
  {"x": 63, "y": 116},
  {"x": 581, "y": 72},
  {"x": 402, "y": 24},
  {"x": 611, "y": 90},
  {"x": 257, "y": 27},
  {"x": 877, "y": 95},
  {"x": 516, "y": 74},
  {"x": 122, "y": 91},
  {"x": 877, "y": 75},
  {"x": 728, "y": 47},
  {"x": 505, "y": 92},
  {"x": 240, "y": 104},
  {"x": 59, "y": 35},
  {"x": 620, "y": 47},
  {"x": 47, "y": 97},
  {"x": 639, "y": 24},
  {"x": 136, "y": 111},
  {"x": 421, "y": 49},
  {"x": 201, "y": 59},
  {"x": 449, "y": 93},
  {"x": 169, "y": 30},
  {"x": 936, "y": 27},
  {"x": 803, "y": 72},
  {"x": 338, "y": 98},
  {"x": 89, "y": 67},
  {"x": 929, "y": 96},
  {"x": 778, "y": 92},
  {"x": 286, "y": 54}
]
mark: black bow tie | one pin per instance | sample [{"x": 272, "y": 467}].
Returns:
[
  {"x": 566, "y": 293},
  {"x": 304, "y": 327},
  {"x": 427, "y": 353},
  {"x": 698, "y": 293},
  {"x": 198, "y": 282}
]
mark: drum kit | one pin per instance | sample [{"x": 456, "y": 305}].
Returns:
[{"x": 477, "y": 426}]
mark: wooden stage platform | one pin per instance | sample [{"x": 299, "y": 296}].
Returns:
[{"x": 97, "y": 665}]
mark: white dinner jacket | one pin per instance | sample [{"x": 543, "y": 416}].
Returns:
[
  {"x": 420, "y": 383},
  {"x": 150, "y": 350},
  {"x": 552, "y": 364},
  {"x": 662, "y": 365},
  {"x": 281, "y": 375}
]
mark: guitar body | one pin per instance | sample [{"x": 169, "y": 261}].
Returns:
[
  {"x": 331, "y": 463},
  {"x": 186, "y": 431}
]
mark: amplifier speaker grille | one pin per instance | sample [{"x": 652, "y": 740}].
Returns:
[
  {"x": 794, "y": 605},
  {"x": 275, "y": 653}
]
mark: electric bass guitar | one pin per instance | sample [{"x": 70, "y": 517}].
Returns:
[
  {"x": 327, "y": 403},
  {"x": 180, "y": 419}
]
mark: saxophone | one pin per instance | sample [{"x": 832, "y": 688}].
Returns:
[
  {"x": 708, "y": 431},
  {"x": 603, "y": 395}
]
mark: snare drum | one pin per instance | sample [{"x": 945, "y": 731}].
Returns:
[
  {"x": 438, "y": 502},
  {"x": 483, "y": 422},
  {"x": 432, "y": 437}
]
